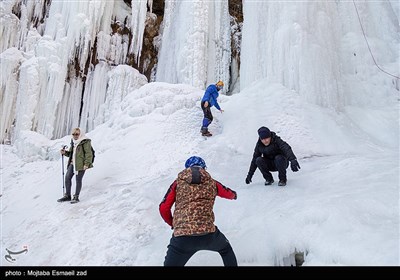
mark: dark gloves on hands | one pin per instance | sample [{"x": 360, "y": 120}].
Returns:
[
  {"x": 294, "y": 165},
  {"x": 248, "y": 180}
]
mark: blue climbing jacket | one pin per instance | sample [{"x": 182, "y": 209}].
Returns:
[{"x": 211, "y": 96}]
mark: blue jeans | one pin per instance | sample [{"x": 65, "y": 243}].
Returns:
[
  {"x": 208, "y": 117},
  {"x": 182, "y": 248}
]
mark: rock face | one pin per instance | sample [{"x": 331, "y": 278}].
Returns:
[
  {"x": 236, "y": 12},
  {"x": 148, "y": 58},
  {"x": 149, "y": 53},
  {"x": 158, "y": 7}
]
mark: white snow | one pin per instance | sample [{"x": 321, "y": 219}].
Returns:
[
  {"x": 342, "y": 207},
  {"x": 306, "y": 72}
]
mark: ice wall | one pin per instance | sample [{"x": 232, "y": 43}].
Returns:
[{"x": 317, "y": 48}]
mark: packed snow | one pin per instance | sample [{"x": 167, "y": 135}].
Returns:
[{"x": 307, "y": 72}]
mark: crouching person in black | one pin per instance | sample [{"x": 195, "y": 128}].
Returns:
[{"x": 272, "y": 154}]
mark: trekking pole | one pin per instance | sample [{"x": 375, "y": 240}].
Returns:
[{"x": 62, "y": 162}]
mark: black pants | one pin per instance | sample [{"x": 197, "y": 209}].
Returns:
[
  {"x": 279, "y": 163},
  {"x": 68, "y": 178},
  {"x": 182, "y": 248}
]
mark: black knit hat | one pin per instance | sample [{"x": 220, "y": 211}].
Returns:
[{"x": 264, "y": 132}]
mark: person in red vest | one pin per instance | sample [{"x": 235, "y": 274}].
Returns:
[{"x": 193, "y": 194}]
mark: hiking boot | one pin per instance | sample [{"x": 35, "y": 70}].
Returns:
[
  {"x": 206, "y": 133},
  {"x": 75, "y": 199},
  {"x": 282, "y": 183},
  {"x": 269, "y": 182},
  {"x": 66, "y": 197}
]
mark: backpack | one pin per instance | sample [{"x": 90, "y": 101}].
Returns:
[{"x": 93, "y": 153}]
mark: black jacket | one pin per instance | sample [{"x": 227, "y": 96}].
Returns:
[{"x": 276, "y": 147}]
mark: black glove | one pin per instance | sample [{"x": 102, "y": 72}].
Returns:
[
  {"x": 248, "y": 180},
  {"x": 294, "y": 165}
]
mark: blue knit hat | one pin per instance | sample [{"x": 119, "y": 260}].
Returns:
[
  {"x": 264, "y": 132},
  {"x": 194, "y": 160}
]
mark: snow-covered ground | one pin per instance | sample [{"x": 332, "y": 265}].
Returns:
[{"x": 341, "y": 208}]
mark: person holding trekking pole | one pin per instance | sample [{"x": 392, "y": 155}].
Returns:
[{"x": 80, "y": 159}]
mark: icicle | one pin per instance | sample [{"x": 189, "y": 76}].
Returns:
[
  {"x": 139, "y": 11},
  {"x": 196, "y": 52},
  {"x": 10, "y": 61}
]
